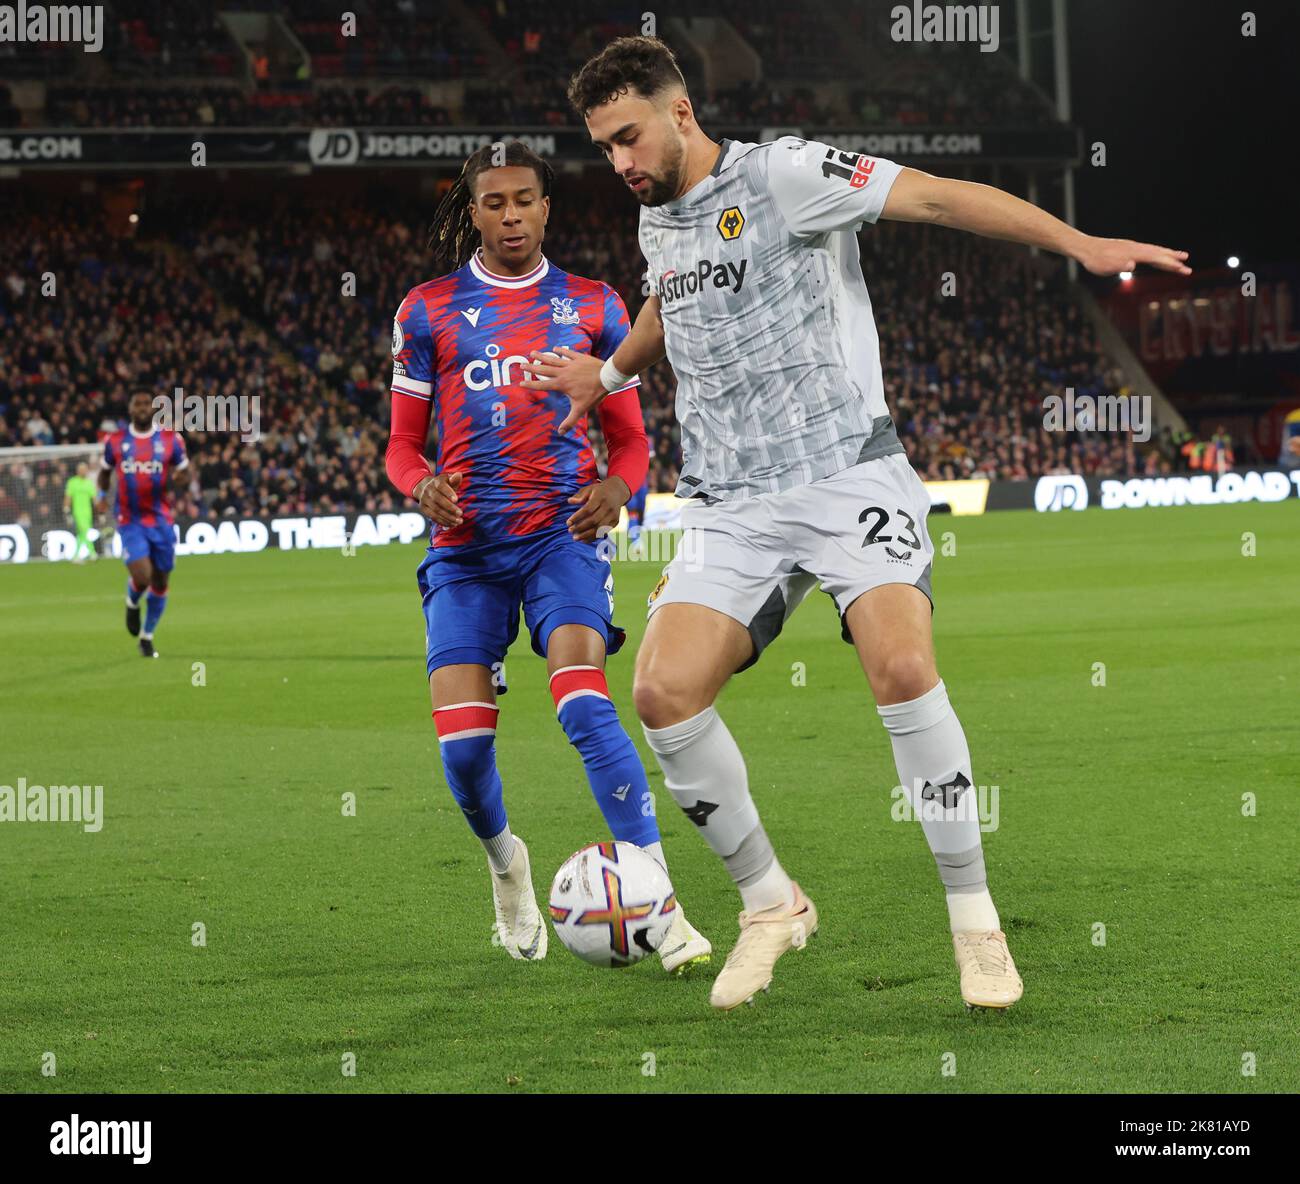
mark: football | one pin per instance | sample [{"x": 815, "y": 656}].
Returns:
[{"x": 612, "y": 904}]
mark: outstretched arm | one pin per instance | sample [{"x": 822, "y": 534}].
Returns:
[
  {"x": 981, "y": 209},
  {"x": 644, "y": 345}
]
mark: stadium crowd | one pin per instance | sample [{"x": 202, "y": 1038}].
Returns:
[
  {"x": 522, "y": 103},
  {"x": 257, "y": 301},
  {"x": 126, "y": 316},
  {"x": 150, "y": 48},
  {"x": 230, "y": 106},
  {"x": 792, "y": 41}
]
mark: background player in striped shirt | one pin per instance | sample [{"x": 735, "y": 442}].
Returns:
[
  {"x": 517, "y": 508},
  {"x": 148, "y": 460},
  {"x": 795, "y": 472}
]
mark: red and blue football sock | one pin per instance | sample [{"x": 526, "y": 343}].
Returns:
[
  {"x": 467, "y": 740},
  {"x": 155, "y": 603},
  {"x": 614, "y": 770}
]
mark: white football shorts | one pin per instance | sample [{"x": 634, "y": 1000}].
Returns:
[{"x": 756, "y": 558}]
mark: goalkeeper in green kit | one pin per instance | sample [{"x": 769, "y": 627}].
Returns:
[{"x": 79, "y": 501}]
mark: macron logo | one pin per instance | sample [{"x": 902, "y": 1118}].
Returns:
[
  {"x": 471, "y": 315},
  {"x": 89, "y": 1137}
]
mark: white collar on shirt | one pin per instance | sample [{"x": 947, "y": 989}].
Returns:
[{"x": 507, "y": 281}]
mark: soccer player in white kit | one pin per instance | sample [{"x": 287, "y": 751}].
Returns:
[{"x": 797, "y": 475}]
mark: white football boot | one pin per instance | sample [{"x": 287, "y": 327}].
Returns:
[
  {"x": 683, "y": 946},
  {"x": 764, "y": 937},
  {"x": 520, "y": 927},
  {"x": 988, "y": 974}
]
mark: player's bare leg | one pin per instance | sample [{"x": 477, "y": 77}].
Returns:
[
  {"x": 465, "y": 714},
  {"x": 890, "y": 626},
  {"x": 575, "y": 662},
  {"x": 140, "y": 573},
  {"x": 687, "y": 656}
]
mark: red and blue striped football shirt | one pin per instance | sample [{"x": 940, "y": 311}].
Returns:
[
  {"x": 144, "y": 462},
  {"x": 459, "y": 345}
]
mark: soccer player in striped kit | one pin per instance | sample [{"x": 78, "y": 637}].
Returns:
[
  {"x": 148, "y": 460},
  {"x": 794, "y": 470},
  {"x": 517, "y": 508}
]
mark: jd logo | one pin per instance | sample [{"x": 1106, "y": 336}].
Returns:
[
  {"x": 14, "y": 547},
  {"x": 1060, "y": 492},
  {"x": 333, "y": 146}
]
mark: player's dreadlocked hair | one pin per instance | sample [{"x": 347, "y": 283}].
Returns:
[
  {"x": 452, "y": 237},
  {"x": 645, "y": 63}
]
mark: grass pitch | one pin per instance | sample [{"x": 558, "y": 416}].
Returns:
[{"x": 1120, "y": 805}]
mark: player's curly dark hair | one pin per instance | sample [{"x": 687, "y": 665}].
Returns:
[
  {"x": 645, "y": 63},
  {"x": 452, "y": 236}
]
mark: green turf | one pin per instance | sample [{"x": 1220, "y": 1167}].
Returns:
[{"x": 369, "y": 935}]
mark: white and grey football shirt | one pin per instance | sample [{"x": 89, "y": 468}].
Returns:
[{"x": 767, "y": 321}]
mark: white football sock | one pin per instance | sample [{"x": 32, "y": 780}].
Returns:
[
  {"x": 705, "y": 773},
  {"x": 771, "y": 890},
  {"x": 500, "y": 850},
  {"x": 972, "y": 910},
  {"x": 657, "y": 851},
  {"x": 934, "y": 769}
]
